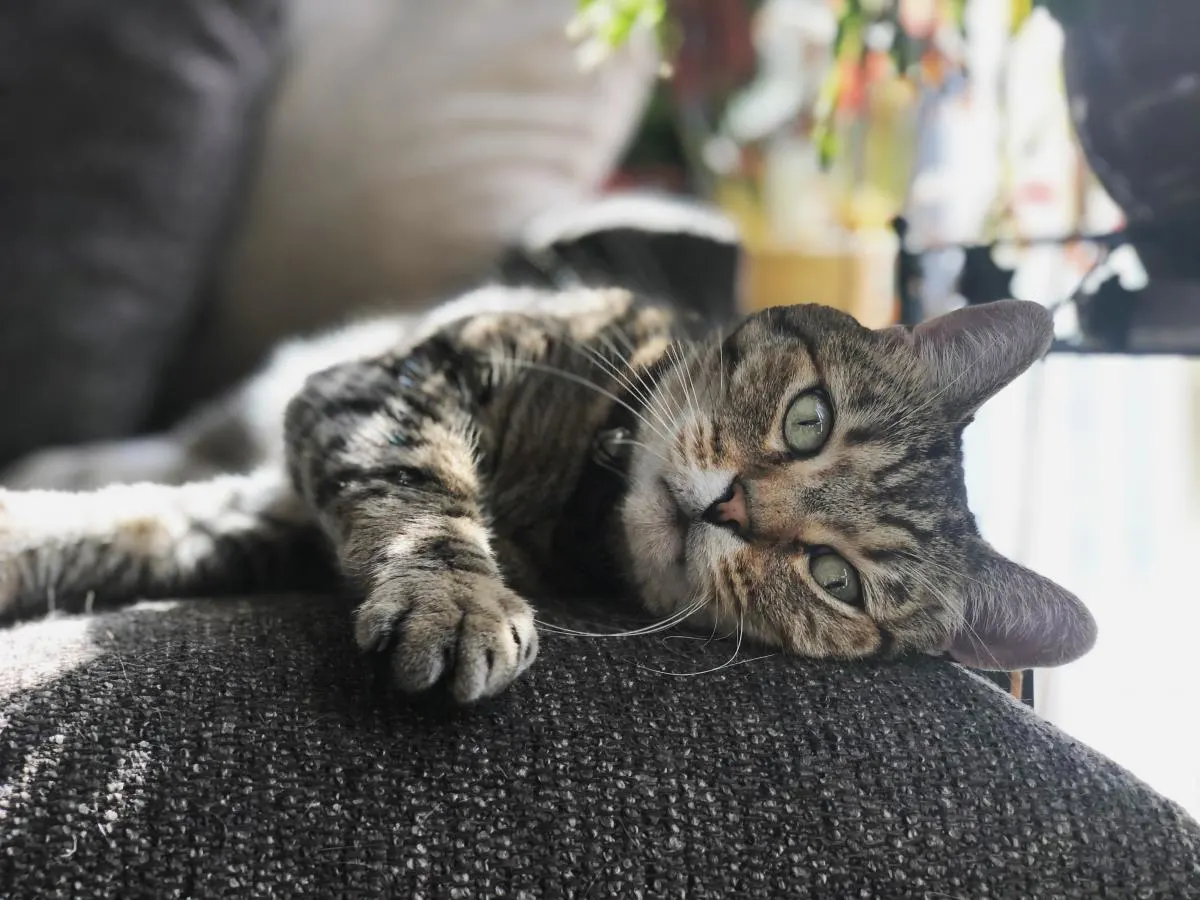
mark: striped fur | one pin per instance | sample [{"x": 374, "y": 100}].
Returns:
[{"x": 450, "y": 463}]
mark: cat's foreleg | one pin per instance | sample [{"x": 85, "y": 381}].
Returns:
[
  {"x": 233, "y": 534},
  {"x": 387, "y": 452}
]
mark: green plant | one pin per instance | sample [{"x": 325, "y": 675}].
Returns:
[{"x": 611, "y": 22}]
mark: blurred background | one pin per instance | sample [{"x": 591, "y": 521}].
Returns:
[{"x": 182, "y": 185}]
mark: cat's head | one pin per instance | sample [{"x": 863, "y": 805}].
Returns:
[{"x": 802, "y": 478}]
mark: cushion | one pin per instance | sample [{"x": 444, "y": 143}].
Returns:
[
  {"x": 224, "y": 747},
  {"x": 125, "y": 128}
]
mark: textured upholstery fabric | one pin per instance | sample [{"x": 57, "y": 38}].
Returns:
[{"x": 239, "y": 748}]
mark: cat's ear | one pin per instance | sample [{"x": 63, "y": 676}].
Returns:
[
  {"x": 973, "y": 352},
  {"x": 1016, "y": 619}
]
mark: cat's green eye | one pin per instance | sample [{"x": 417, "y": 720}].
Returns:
[
  {"x": 807, "y": 422},
  {"x": 836, "y": 577}
]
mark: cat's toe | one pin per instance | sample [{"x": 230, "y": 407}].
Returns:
[
  {"x": 475, "y": 636},
  {"x": 491, "y": 652}
]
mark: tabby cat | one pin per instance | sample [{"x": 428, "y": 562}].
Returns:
[{"x": 794, "y": 476}]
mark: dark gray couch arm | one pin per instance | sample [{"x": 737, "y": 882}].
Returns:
[{"x": 241, "y": 748}]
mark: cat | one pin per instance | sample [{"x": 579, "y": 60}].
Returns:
[{"x": 792, "y": 476}]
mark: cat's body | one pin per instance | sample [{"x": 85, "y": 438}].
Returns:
[{"x": 796, "y": 478}]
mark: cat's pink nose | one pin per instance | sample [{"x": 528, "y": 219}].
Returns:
[{"x": 730, "y": 510}]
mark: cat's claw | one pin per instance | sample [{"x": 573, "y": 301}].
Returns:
[{"x": 470, "y": 632}]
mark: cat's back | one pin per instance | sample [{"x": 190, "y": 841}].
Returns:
[
  {"x": 265, "y": 397},
  {"x": 371, "y": 337}
]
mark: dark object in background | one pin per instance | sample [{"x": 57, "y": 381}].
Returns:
[
  {"x": 1134, "y": 86},
  {"x": 124, "y": 133},
  {"x": 1134, "y": 89},
  {"x": 658, "y": 245},
  {"x": 1106, "y": 316},
  {"x": 656, "y": 159},
  {"x": 235, "y": 747},
  {"x": 981, "y": 279},
  {"x": 907, "y": 276}
]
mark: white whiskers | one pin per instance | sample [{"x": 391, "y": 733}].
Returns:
[
  {"x": 669, "y": 622},
  {"x": 582, "y": 382},
  {"x": 728, "y": 664}
]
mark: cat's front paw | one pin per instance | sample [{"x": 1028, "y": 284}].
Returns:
[{"x": 468, "y": 631}]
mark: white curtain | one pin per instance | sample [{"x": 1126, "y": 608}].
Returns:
[{"x": 1088, "y": 470}]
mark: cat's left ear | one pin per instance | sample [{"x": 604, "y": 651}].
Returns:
[
  {"x": 973, "y": 352},
  {"x": 1016, "y": 619}
]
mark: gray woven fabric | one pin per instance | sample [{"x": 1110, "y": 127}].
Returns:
[{"x": 236, "y": 748}]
